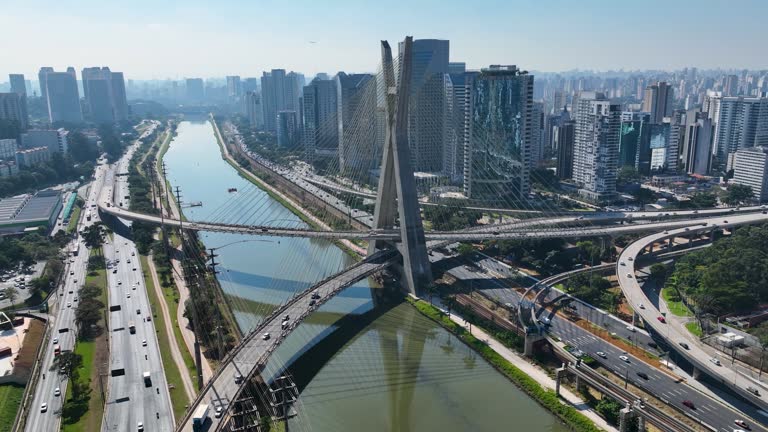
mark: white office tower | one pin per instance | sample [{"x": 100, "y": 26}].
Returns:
[
  {"x": 320, "y": 130},
  {"x": 697, "y": 149},
  {"x": 750, "y": 168},
  {"x": 742, "y": 122},
  {"x": 596, "y": 146}
]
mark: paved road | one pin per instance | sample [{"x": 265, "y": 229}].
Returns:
[
  {"x": 707, "y": 410},
  {"x": 129, "y": 399},
  {"x": 63, "y": 330},
  {"x": 222, "y": 390},
  {"x": 697, "y": 354}
]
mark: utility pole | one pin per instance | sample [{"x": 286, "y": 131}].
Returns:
[
  {"x": 218, "y": 327},
  {"x": 165, "y": 176}
]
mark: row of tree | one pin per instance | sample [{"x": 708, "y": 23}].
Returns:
[{"x": 730, "y": 276}]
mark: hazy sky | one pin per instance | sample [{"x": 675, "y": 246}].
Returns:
[{"x": 177, "y": 39}]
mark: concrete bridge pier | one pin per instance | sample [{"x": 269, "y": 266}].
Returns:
[
  {"x": 625, "y": 415},
  {"x": 530, "y": 341},
  {"x": 559, "y": 375},
  {"x": 696, "y": 373},
  {"x": 640, "y": 424}
]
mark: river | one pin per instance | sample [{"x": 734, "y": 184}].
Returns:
[{"x": 359, "y": 366}]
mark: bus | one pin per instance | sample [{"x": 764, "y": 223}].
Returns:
[{"x": 75, "y": 249}]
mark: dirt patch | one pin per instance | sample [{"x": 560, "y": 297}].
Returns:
[{"x": 28, "y": 352}]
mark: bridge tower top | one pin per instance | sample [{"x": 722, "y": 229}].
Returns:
[{"x": 397, "y": 201}]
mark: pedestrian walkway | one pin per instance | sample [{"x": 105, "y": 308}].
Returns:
[{"x": 533, "y": 371}]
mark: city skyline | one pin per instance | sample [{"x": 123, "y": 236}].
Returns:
[{"x": 150, "y": 41}]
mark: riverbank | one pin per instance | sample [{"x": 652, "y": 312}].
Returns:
[
  {"x": 531, "y": 379},
  {"x": 305, "y": 214}
]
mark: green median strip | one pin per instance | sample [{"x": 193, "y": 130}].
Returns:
[
  {"x": 675, "y": 303},
  {"x": 172, "y": 374},
  {"x": 575, "y": 420},
  {"x": 694, "y": 328}
]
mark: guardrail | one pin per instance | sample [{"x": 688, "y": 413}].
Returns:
[{"x": 277, "y": 312}]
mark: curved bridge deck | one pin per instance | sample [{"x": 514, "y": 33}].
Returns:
[{"x": 248, "y": 358}]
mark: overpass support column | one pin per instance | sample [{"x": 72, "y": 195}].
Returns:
[
  {"x": 530, "y": 340},
  {"x": 670, "y": 243},
  {"x": 559, "y": 375},
  {"x": 640, "y": 423},
  {"x": 696, "y": 373},
  {"x": 625, "y": 415}
]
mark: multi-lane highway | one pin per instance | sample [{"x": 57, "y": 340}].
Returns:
[
  {"x": 664, "y": 386},
  {"x": 51, "y": 387},
  {"x": 132, "y": 399},
  {"x": 696, "y": 353}
]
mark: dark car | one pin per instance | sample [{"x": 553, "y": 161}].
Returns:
[
  {"x": 684, "y": 345},
  {"x": 689, "y": 404},
  {"x": 643, "y": 375}
]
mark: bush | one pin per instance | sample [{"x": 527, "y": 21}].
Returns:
[{"x": 547, "y": 398}]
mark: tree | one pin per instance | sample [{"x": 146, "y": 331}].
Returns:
[
  {"x": 737, "y": 194},
  {"x": 703, "y": 200},
  {"x": 627, "y": 174},
  {"x": 645, "y": 196},
  {"x": 761, "y": 332},
  {"x": 11, "y": 294},
  {"x": 67, "y": 362},
  {"x": 93, "y": 236},
  {"x": 465, "y": 249},
  {"x": 87, "y": 315},
  {"x": 658, "y": 272},
  {"x": 80, "y": 148}
]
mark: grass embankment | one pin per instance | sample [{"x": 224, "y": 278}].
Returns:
[
  {"x": 675, "y": 303},
  {"x": 10, "y": 401},
  {"x": 694, "y": 328},
  {"x": 93, "y": 352},
  {"x": 172, "y": 372},
  {"x": 73, "y": 218},
  {"x": 547, "y": 398}
]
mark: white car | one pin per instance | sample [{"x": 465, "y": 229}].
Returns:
[
  {"x": 642, "y": 306},
  {"x": 624, "y": 358},
  {"x": 69, "y": 304},
  {"x": 601, "y": 354},
  {"x": 43, "y": 407},
  {"x": 631, "y": 328},
  {"x": 57, "y": 392},
  {"x": 144, "y": 343},
  {"x": 265, "y": 336},
  {"x": 715, "y": 361},
  {"x": 219, "y": 411}
]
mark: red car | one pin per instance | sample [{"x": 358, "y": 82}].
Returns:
[
  {"x": 661, "y": 319},
  {"x": 689, "y": 404}
]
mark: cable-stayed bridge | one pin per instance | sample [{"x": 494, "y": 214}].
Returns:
[{"x": 396, "y": 238}]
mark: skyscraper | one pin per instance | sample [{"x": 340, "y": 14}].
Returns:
[
  {"x": 96, "y": 92},
  {"x": 18, "y": 85},
  {"x": 457, "y": 129},
  {"x": 497, "y": 161},
  {"x": 320, "y": 132},
  {"x": 750, "y": 168},
  {"x": 12, "y": 107},
  {"x": 233, "y": 87},
  {"x": 195, "y": 90},
  {"x": 596, "y": 146},
  {"x": 280, "y": 92},
  {"x": 742, "y": 122},
  {"x": 254, "y": 110},
  {"x": 41, "y": 81},
  {"x": 119, "y": 97},
  {"x": 697, "y": 149},
  {"x": 657, "y": 100},
  {"x": 537, "y": 134},
  {"x": 356, "y": 100},
  {"x": 287, "y": 129},
  {"x": 634, "y": 142},
  {"x": 731, "y": 85},
  {"x": 564, "y": 137},
  {"x": 427, "y": 103},
  {"x": 62, "y": 95}
]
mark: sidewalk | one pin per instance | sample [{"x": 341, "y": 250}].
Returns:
[
  {"x": 535, "y": 372},
  {"x": 189, "y": 388}
]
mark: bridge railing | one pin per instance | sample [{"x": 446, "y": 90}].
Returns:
[{"x": 277, "y": 312}]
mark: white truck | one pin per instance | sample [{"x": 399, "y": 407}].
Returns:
[
  {"x": 147, "y": 380},
  {"x": 199, "y": 417}
]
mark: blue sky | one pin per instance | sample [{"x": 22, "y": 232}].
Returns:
[{"x": 175, "y": 39}]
